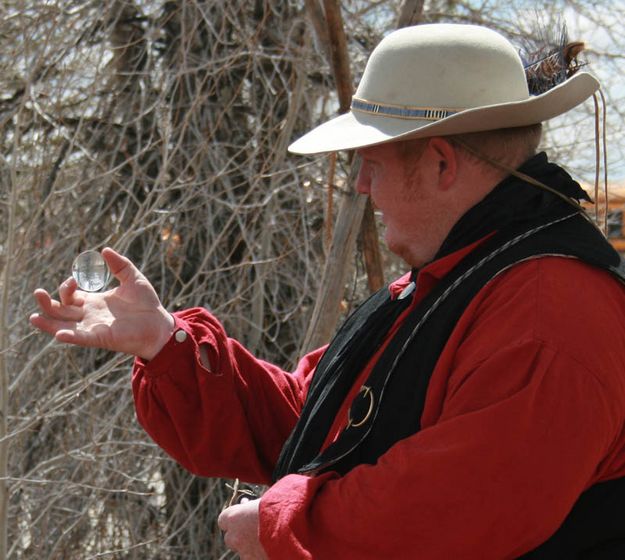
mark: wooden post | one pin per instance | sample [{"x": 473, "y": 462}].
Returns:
[
  {"x": 410, "y": 13},
  {"x": 338, "y": 53},
  {"x": 331, "y": 36},
  {"x": 353, "y": 207},
  {"x": 327, "y": 307},
  {"x": 371, "y": 249}
]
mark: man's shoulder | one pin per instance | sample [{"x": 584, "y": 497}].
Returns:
[
  {"x": 565, "y": 303},
  {"x": 555, "y": 282},
  {"x": 554, "y": 277}
]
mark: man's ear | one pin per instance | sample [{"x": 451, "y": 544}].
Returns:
[{"x": 446, "y": 157}]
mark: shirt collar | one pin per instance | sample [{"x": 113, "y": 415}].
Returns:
[{"x": 433, "y": 272}]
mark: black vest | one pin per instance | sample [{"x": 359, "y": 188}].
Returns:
[{"x": 595, "y": 528}]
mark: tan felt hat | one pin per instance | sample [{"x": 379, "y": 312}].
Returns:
[{"x": 441, "y": 79}]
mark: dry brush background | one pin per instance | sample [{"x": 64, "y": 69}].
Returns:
[{"x": 160, "y": 128}]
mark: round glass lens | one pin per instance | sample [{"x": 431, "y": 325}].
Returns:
[{"x": 90, "y": 271}]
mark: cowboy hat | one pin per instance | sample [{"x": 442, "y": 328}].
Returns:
[{"x": 441, "y": 79}]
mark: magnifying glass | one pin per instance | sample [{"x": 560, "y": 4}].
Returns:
[{"x": 90, "y": 271}]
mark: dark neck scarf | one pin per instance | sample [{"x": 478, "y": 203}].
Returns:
[{"x": 514, "y": 202}]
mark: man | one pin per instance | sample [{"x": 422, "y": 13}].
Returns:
[{"x": 476, "y": 407}]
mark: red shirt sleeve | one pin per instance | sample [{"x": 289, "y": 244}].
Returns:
[
  {"x": 525, "y": 410},
  {"x": 228, "y": 420}
]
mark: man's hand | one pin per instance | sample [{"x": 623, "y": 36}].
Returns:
[
  {"x": 239, "y": 524},
  {"x": 128, "y": 318}
]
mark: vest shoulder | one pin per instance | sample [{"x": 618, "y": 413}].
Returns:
[
  {"x": 567, "y": 275},
  {"x": 572, "y": 306}
]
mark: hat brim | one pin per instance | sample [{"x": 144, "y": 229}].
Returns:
[{"x": 358, "y": 129}]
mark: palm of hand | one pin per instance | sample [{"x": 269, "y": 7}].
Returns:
[{"x": 120, "y": 319}]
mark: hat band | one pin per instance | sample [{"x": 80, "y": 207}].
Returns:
[{"x": 412, "y": 113}]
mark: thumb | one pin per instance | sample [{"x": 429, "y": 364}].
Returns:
[{"x": 121, "y": 267}]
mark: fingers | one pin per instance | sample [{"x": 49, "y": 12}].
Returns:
[
  {"x": 60, "y": 311},
  {"x": 55, "y": 327},
  {"x": 58, "y": 318},
  {"x": 67, "y": 332},
  {"x": 224, "y": 522},
  {"x": 70, "y": 334},
  {"x": 43, "y": 299},
  {"x": 63, "y": 322},
  {"x": 68, "y": 293},
  {"x": 239, "y": 524}
]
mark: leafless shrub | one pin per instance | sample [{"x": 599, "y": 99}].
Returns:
[{"x": 159, "y": 128}]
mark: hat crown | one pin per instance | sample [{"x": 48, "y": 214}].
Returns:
[{"x": 451, "y": 66}]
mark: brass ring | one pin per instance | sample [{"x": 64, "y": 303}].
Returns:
[{"x": 367, "y": 392}]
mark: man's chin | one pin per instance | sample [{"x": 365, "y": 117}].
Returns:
[{"x": 401, "y": 250}]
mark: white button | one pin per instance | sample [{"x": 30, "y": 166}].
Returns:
[
  {"x": 407, "y": 291},
  {"x": 180, "y": 336}
]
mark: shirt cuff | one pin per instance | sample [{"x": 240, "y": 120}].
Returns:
[
  {"x": 284, "y": 528},
  {"x": 181, "y": 340}
]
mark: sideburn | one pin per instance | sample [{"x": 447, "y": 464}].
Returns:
[{"x": 411, "y": 152}]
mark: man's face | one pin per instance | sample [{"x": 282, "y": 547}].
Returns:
[{"x": 397, "y": 176}]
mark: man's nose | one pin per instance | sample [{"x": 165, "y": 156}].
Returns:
[{"x": 363, "y": 181}]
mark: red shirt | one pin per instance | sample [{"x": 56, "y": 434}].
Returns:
[{"x": 524, "y": 411}]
